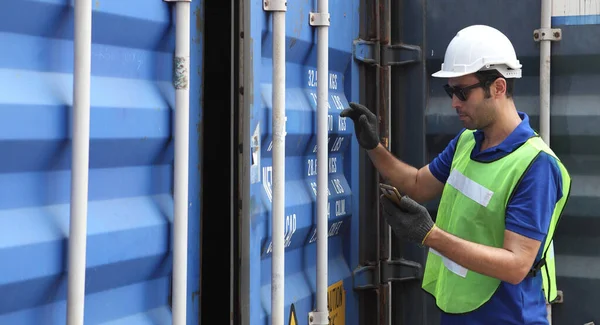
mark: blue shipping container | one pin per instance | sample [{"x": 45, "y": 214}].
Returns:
[{"x": 129, "y": 264}]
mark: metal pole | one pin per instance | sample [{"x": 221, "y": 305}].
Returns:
[
  {"x": 546, "y": 20},
  {"x": 545, "y": 54},
  {"x": 80, "y": 161},
  {"x": 322, "y": 172},
  {"x": 321, "y": 21},
  {"x": 182, "y": 119},
  {"x": 278, "y": 204}
]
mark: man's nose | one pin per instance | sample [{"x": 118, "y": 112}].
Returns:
[{"x": 456, "y": 103}]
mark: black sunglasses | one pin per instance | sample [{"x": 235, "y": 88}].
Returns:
[{"x": 461, "y": 93}]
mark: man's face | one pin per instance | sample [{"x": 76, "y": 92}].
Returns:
[{"x": 477, "y": 111}]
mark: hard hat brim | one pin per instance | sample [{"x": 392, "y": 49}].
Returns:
[{"x": 449, "y": 74}]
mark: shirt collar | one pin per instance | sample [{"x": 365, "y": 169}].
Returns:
[{"x": 514, "y": 140}]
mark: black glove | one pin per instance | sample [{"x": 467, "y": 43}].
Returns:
[
  {"x": 365, "y": 125},
  {"x": 409, "y": 220}
]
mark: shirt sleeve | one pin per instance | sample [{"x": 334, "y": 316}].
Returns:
[
  {"x": 440, "y": 165},
  {"x": 530, "y": 210}
]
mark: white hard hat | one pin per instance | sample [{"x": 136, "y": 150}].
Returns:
[{"x": 477, "y": 48}]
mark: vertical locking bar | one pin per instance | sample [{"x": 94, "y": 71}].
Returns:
[
  {"x": 320, "y": 20},
  {"x": 278, "y": 9},
  {"x": 385, "y": 290}
]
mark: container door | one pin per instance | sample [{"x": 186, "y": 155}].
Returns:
[
  {"x": 255, "y": 104},
  {"x": 391, "y": 57}
]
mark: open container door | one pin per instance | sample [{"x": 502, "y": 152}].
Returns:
[{"x": 256, "y": 162}]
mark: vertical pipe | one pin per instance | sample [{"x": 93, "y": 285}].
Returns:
[
  {"x": 545, "y": 24},
  {"x": 322, "y": 157},
  {"x": 278, "y": 208},
  {"x": 80, "y": 161},
  {"x": 182, "y": 116},
  {"x": 545, "y": 73}
]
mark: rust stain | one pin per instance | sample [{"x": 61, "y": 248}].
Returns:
[
  {"x": 199, "y": 19},
  {"x": 373, "y": 28}
]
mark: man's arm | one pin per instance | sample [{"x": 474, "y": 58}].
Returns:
[
  {"x": 510, "y": 263},
  {"x": 419, "y": 184}
]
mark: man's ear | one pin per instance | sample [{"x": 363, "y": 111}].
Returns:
[{"x": 499, "y": 88}]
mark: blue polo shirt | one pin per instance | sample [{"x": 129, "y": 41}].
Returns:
[{"x": 528, "y": 213}]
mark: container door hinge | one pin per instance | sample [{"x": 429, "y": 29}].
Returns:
[
  {"x": 371, "y": 52},
  {"x": 371, "y": 276}
]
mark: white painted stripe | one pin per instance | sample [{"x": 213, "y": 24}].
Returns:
[
  {"x": 575, "y": 7},
  {"x": 451, "y": 265},
  {"x": 470, "y": 188}
]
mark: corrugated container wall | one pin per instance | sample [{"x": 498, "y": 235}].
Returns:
[
  {"x": 257, "y": 167},
  {"x": 130, "y": 211}
]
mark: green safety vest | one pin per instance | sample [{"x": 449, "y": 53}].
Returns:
[{"x": 473, "y": 207}]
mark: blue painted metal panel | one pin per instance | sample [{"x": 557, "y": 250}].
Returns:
[
  {"x": 576, "y": 20},
  {"x": 300, "y": 169},
  {"x": 131, "y": 155}
]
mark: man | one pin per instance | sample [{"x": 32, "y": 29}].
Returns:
[{"x": 490, "y": 259}]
